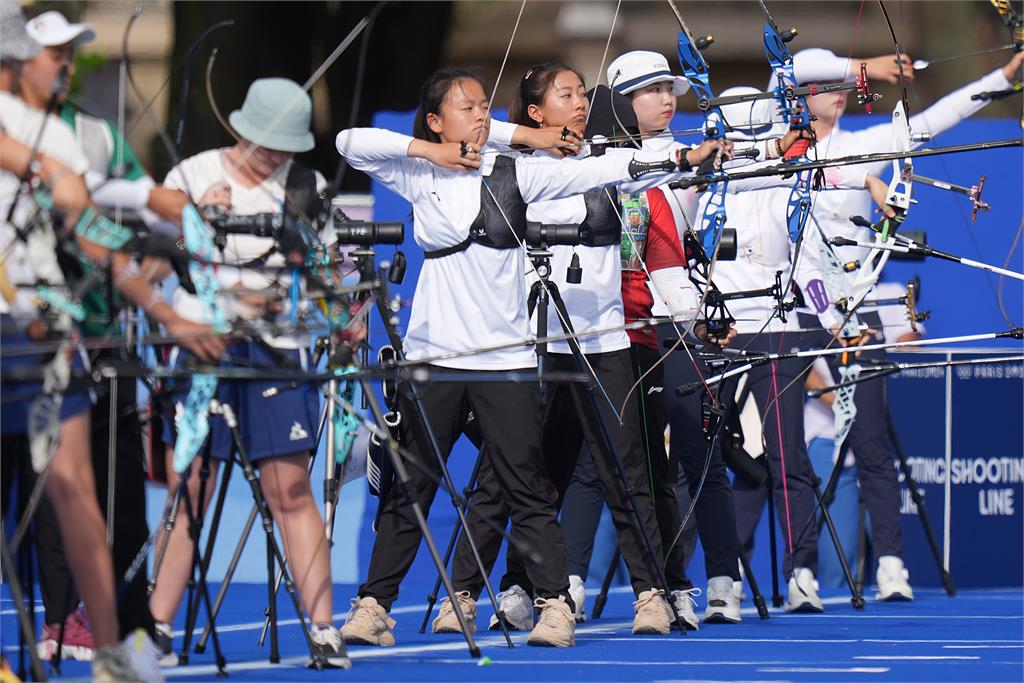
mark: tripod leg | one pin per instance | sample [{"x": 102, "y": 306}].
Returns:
[
  {"x": 467, "y": 495},
  {"x": 204, "y": 566},
  {"x": 218, "y": 509},
  {"x": 27, "y": 630},
  {"x": 228, "y": 574},
  {"x": 403, "y": 480},
  {"x": 755, "y": 592},
  {"x": 922, "y": 514},
  {"x": 198, "y": 588},
  {"x": 773, "y": 542},
  {"x": 275, "y": 652},
  {"x": 590, "y": 414},
  {"x": 606, "y": 584},
  {"x": 273, "y": 549},
  {"x": 460, "y": 513},
  {"x": 855, "y": 597}
]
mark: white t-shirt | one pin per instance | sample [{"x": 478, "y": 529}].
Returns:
[
  {"x": 475, "y": 298},
  {"x": 194, "y": 176},
  {"x": 34, "y": 259}
]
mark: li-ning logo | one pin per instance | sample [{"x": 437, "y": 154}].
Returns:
[
  {"x": 655, "y": 390},
  {"x": 297, "y": 432}
]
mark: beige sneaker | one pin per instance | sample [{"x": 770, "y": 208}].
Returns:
[
  {"x": 368, "y": 624},
  {"x": 556, "y": 626},
  {"x": 652, "y": 614},
  {"x": 448, "y": 622}
]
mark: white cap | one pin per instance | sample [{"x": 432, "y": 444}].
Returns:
[
  {"x": 640, "y": 68},
  {"x": 51, "y": 28},
  {"x": 755, "y": 120}
]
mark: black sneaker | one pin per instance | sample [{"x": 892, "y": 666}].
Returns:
[
  {"x": 163, "y": 638},
  {"x": 328, "y": 647}
]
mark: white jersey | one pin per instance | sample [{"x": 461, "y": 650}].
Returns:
[
  {"x": 194, "y": 176},
  {"x": 833, "y": 209},
  {"x": 475, "y": 298},
  {"x": 35, "y": 258}
]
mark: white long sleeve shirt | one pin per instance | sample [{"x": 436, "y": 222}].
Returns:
[
  {"x": 832, "y": 210},
  {"x": 475, "y": 298}
]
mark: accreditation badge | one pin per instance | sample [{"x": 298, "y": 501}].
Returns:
[{"x": 636, "y": 217}]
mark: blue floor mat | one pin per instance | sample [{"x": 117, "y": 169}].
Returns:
[{"x": 976, "y": 636}]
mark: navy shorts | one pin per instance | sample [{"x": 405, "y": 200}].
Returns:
[
  {"x": 14, "y": 413},
  {"x": 280, "y": 425}
]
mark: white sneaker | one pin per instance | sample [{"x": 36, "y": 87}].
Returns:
[
  {"x": 803, "y": 592},
  {"x": 683, "y": 601},
  {"x": 517, "y": 608},
  {"x": 737, "y": 586},
  {"x": 723, "y": 605},
  {"x": 893, "y": 579},
  {"x": 578, "y": 593},
  {"x": 143, "y": 655}
]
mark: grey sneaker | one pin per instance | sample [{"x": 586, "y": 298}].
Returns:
[
  {"x": 328, "y": 646},
  {"x": 556, "y": 626},
  {"x": 111, "y": 665},
  {"x": 517, "y": 608},
  {"x": 368, "y": 624},
  {"x": 723, "y": 605},
  {"x": 683, "y": 601},
  {"x": 448, "y": 622},
  {"x": 143, "y": 655}
]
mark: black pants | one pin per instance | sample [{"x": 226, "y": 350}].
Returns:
[
  {"x": 715, "y": 511},
  {"x": 507, "y": 414},
  {"x": 564, "y": 435},
  {"x": 783, "y": 430},
  {"x": 584, "y": 499},
  {"x": 130, "y": 527}
]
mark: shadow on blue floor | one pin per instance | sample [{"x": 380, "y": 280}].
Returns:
[{"x": 976, "y": 636}]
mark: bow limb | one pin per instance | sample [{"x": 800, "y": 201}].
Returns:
[
  {"x": 193, "y": 422},
  {"x": 212, "y": 101}
]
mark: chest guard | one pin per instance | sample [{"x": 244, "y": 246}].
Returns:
[
  {"x": 602, "y": 226},
  {"x": 501, "y": 205}
]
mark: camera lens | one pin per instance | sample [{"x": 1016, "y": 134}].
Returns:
[{"x": 544, "y": 234}]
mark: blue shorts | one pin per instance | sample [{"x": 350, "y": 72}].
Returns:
[
  {"x": 280, "y": 425},
  {"x": 14, "y": 413}
]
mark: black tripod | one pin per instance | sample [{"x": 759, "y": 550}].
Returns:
[
  {"x": 915, "y": 495},
  {"x": 467, "y": 495},
  {"x": 364, "y": 259},
  {"x": 543, "y": 292}
]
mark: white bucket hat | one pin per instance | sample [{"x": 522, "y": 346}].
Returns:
[
  {"x": 51, "y": 28},
  {"x": 640, "y": 68},
  {"x": 747, "y": 121},
  {"x": 275, "y": 114}
]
